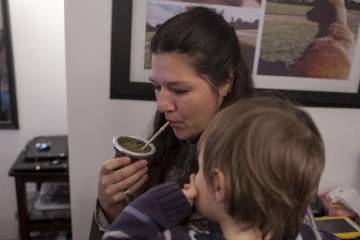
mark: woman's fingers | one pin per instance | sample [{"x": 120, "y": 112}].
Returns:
[
  {"x": 127, "y": 171},
  {"x": 116, "y": 176},
  {"x": 122, "y": 179},
  {"x": 139, "y": 183},
  {"x": 111, "y": 165},
  {"x": 126, "y": 183},
  {"x": 121, "y": 195}
]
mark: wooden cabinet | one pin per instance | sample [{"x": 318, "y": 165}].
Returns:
[{"x": 29, "y": 219}]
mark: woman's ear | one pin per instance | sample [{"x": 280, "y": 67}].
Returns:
[
  {"x": 219, "y": 185},
  {"x": 225, "y": 89}
]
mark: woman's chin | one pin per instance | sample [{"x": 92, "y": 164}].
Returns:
[
  {"x": 181, "y": 134},
  {"x": 185, "y": 134}
]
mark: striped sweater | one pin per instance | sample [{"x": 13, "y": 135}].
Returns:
[{"x": 157, "y": 213}]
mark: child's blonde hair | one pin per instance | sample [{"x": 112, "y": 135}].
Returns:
[{"x": 272, "y": 156}]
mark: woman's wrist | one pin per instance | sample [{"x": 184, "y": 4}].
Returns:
[
  {"x": 100, "y": 218},
  {"x": 112, "y": 212}
]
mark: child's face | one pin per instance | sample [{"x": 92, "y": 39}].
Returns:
[{"x": 205, "y": 201}]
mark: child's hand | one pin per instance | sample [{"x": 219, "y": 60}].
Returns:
[{"x": 189, "y": 190}]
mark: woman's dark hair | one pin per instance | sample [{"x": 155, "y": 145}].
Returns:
[{"x": 212, "y": 48}]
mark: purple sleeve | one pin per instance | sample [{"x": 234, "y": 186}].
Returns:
[{"x": 148, "y": 216}]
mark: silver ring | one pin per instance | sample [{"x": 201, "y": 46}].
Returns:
[{"x": 127, "y": 193}]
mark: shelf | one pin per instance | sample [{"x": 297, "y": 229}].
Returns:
[
  {"x": 49, "y": 226},
  {"x": 43, "y": 216},
  {"x": 40, "y": 221},
  {"x": 63, "y": 235}
]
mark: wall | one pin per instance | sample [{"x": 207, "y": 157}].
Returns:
[
  {"x": 92, "y": 116},
  {"x": 93, "y": 119},
  {"x": 39, "y": 60},
  {"x": 340, "y": 129}
]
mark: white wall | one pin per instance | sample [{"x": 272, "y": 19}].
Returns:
[
  {"x": 94, "y": 119},
  {"x": 340, "y": 129},
  {"x": 39, "y": 60}
]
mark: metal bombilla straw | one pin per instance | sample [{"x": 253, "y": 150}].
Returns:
[{"x": 155, "y": 135}]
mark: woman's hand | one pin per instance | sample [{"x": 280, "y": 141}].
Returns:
[
  {"x": 189, "y": 190},
  {"x": 118, "y": 178}
]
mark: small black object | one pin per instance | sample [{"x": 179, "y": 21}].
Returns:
[
  {"x": 46, "y": 148},
  {"x": 43, "y": 153},
  {"x": 318, "y": 208}
]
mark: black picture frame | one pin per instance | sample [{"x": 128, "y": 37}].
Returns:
[
  {"x": 8, "y": 105},
  {"x": 122, "y": 88}
]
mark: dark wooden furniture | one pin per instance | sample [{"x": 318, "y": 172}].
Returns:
[{"x": 29, "y": 221}]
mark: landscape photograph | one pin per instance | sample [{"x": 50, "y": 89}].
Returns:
[
  {"x": 315, "y": 39},
  {"x": 244, "y": 20}
]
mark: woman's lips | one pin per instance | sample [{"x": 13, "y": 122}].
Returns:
[{"x": 175, "y": 124}]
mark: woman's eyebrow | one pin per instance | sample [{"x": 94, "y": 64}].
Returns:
[
  {"x": 171, "y": 84},
  {"x": 178, "y": 84},
  {"x": 152, "y": 80}
]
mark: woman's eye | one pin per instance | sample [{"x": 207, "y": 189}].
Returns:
[
  {"x": 180, "y": 91},
  {"x": 156, "y": 87}
]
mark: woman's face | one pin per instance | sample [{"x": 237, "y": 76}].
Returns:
[{"x": 186, "y": 99}]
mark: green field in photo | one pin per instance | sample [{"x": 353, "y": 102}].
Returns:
[
  {"x": 287, "y": 31},
  {"x": 285, "y": 40},
  {"x": 289, "y": 9}
]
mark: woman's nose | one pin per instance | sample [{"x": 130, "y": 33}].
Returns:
[{"x": 164, "y": 101}]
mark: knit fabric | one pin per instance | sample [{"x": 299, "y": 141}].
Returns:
[{"x": 148, "y": 216}]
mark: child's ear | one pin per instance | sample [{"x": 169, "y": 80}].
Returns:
[{"x": 219, "y": 185}]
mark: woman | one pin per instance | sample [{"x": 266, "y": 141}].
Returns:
[{"x": 197, "y": 69}]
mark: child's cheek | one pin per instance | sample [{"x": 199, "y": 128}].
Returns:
[{"x": 196, "y": 180}]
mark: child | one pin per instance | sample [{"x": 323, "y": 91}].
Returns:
[{"x": 260, "y": 162}]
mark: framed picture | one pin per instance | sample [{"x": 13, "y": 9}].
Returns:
[
  {"x": 8, "y": 107},
  {"x": 273, "y": 50}
]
